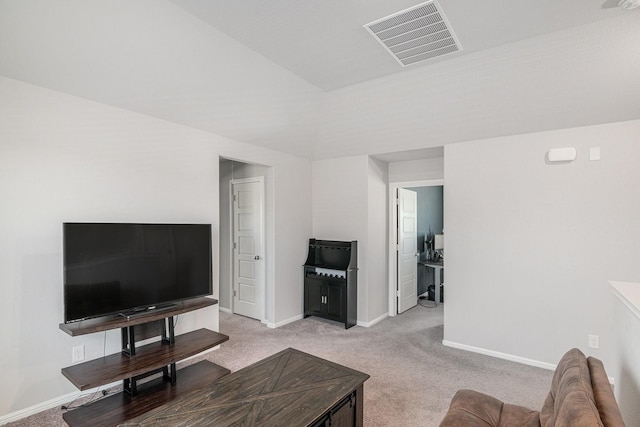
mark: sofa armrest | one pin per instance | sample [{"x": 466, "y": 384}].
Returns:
[
  {"x": 603, "y": 394},
  {"x": 474, "y": 409}
]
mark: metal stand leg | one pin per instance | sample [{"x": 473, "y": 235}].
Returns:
[
  {"x": 168, "y": 337},
  {"x": 168, "y": 332},
  {"x": 128, "y": 341}
]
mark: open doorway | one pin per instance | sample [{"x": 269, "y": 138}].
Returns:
[
  {"x": 420, "y": 246},
  {"x": 242, "y": 266},
  {"x": 430, "y": 242}
]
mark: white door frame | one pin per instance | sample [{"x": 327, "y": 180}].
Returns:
[
  {"x": 261, "y": 250},
  {"x": 393, "y": 235}
]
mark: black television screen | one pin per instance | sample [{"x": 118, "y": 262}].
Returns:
[{"x": 114, "y": 268}]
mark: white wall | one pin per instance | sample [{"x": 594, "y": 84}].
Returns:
[
  {"x": 416, "y": 170},
  {"x": 67, "y": 159},
  {"x": 339, "y": 203},
  {"x": 224, "y": 276},
  {"x": 378, "y": 294},
  {"x": 531, "y": 245},
  {"x": 349, "y": 203},
  {"x": 289, "y": 239}
]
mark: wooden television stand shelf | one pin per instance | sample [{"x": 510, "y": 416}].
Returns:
[{"x": 135, "y": 363}]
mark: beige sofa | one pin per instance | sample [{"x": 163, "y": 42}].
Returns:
[{"x": 580, "y": 396}]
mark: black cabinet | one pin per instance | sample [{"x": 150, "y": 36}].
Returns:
[
  {"x": 325, "y": 299},
  {"x": 315, "y": 292},
  {"x": 336, "y": 302},
  {"x": 330, "y": 281}
]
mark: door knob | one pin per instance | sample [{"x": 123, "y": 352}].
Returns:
[{"x": 257, "y": 257}]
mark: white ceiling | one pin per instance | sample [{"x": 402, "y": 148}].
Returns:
[
  {"x": 304, "y": 76},
  {"x": 324, "y": 42}
]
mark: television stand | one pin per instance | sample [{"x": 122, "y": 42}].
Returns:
[{"x": 137, "y": 362}]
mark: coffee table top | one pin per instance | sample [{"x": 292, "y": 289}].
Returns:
[{"x": 289, "y": 388}]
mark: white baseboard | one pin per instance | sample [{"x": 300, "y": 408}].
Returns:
[
  {"x": 43, "y": 406},
  {"x": 499, "y": 355},
  {"x": 373, "y": 322},
  {"x": 271, "y": 325},
  {"x": 284, "y": 322},
  {"x": 51, "y": 403},
  {"x": 510, "y": 357}
]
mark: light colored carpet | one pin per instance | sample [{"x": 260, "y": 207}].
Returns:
[{"x": 413, "y": 376}]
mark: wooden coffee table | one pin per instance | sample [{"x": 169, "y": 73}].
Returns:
[{"x": 289, "y": 388}]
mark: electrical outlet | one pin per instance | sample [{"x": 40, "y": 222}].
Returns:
[
  {"x": 77, "y": 354},
  {"x": 594, "y": 341}
]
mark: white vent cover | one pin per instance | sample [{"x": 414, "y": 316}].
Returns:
[{"x": 416, "y": 34}]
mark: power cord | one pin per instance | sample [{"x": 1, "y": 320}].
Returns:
[{"x": 70, "y": 406}]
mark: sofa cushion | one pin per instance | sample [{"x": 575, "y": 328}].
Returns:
[
  {"x": 571, "y": 401},
  {"x": 474, "y": 409}
]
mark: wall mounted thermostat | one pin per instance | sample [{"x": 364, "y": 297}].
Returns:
[{"x": 565, "y": 154}]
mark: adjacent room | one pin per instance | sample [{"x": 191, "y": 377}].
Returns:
[{"x": 286, "y": 133}]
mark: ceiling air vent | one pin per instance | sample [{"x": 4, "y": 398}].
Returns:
[{"x": 416, "y": 34}]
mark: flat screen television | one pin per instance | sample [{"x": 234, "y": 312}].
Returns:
[{"x": 120, "y": 268}]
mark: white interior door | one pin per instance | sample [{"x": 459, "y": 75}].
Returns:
[
  {"x": 248, "y": 252},
  {"x": 407, "y": 249}
]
